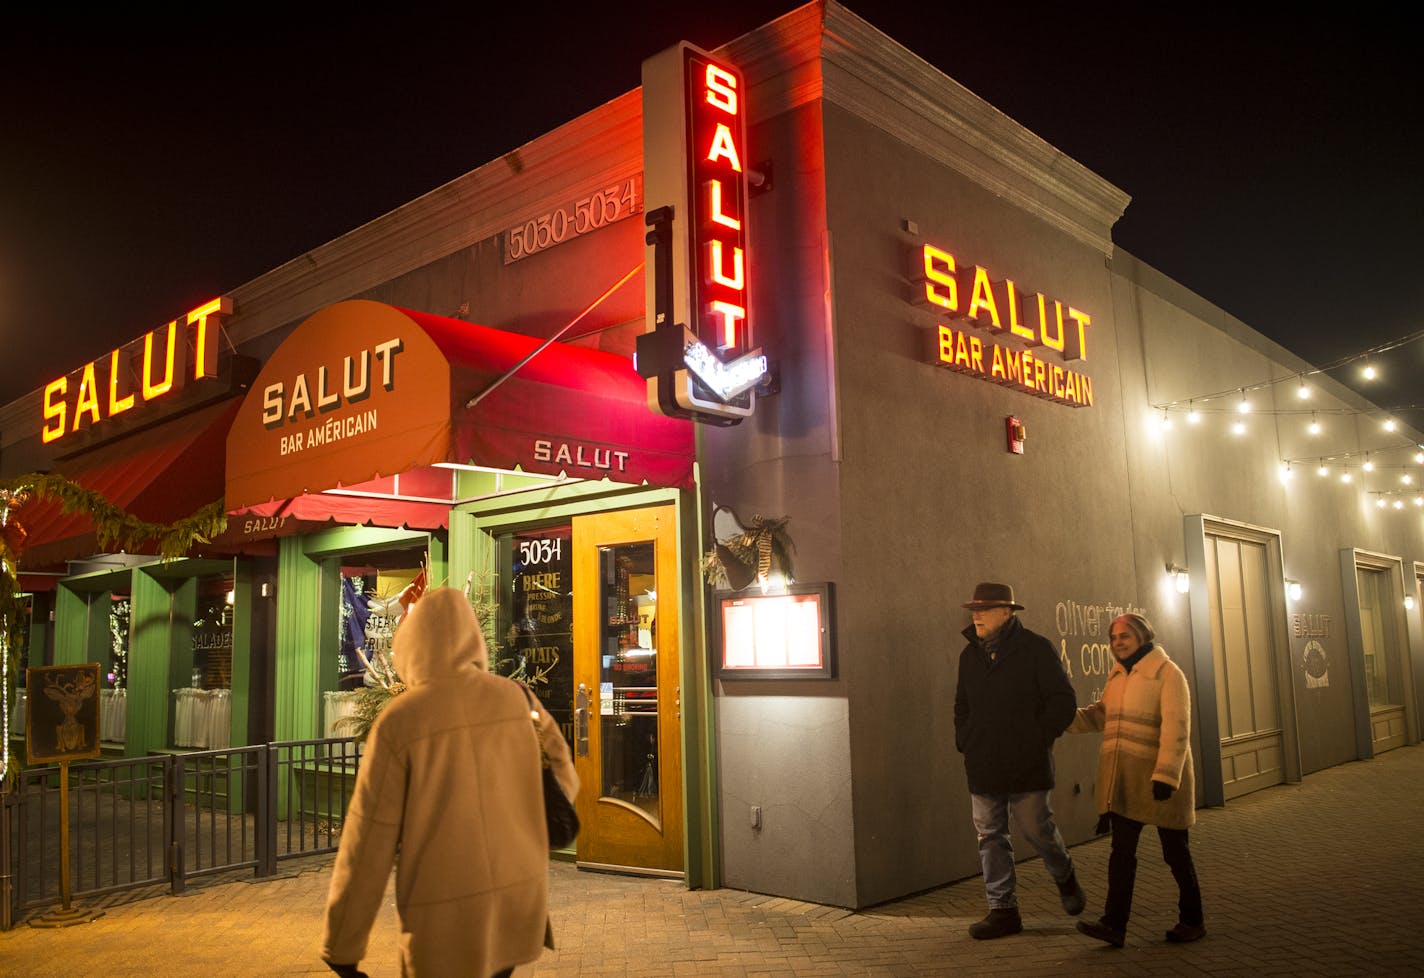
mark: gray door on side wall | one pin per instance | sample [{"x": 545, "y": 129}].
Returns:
[{"x": 1248, "y": 702}]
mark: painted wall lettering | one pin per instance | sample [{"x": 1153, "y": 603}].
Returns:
[{"x": 1083, "y": 645}]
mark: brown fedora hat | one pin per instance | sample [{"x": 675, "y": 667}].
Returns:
[{"x": 991, "y": 595}]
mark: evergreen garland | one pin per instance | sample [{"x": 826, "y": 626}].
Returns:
[{"x": 115, "y": 530}]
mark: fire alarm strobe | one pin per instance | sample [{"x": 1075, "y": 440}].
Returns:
[{"x": 1017, "y": 434}]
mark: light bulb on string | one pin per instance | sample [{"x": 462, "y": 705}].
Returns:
[
  {"x": 1314, "y": 424},
  {"x": 1369, "y": 371},
  {"x": 1322, "y": 471},
  {"x": 1389, "y": 424},
  {"x": 1419, "y": 499},
  {"x": 1346, "y": 476},
  {"x": 1194, "y": 416},
  {"x": 1244, "y": 407},
  {"x": 1419, "y": 458},
  {"x": 1239, "y": 428},
  {"x": 1302, "y": 391},
  {"x": 1407, "y": 479},
  {"x": 1369, "y": 465},
  {"x": 1287, "y": 474},
  {"x": 1399, "y": 504},
  {"x": 1380, "y": 502}
]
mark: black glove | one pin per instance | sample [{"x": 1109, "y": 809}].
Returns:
[
  {"x": 347, "y": 970},
  {"x": 1161, "y": 790}
]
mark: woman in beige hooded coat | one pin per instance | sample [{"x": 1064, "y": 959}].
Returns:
[
  {"x": 450, "y": 779},
  {"x": 1144, "y": 775}
]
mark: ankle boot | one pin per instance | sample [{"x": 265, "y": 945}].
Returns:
[
  {"x": 1103, "y": 931},
  {"x": 1001, "y": 922}
]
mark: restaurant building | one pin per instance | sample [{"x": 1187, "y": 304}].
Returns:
[{"x": 874, "y": 318}]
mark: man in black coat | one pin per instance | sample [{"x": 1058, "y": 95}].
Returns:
[{"x": 1012, "y": 702}]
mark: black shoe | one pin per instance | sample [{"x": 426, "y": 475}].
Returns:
[
  {"x": 1186, "y": 933},
  {"x": 1102, "y": 932},
  {"x": 1071, "y": 895},
  {"x": 1001, "y": 922}
]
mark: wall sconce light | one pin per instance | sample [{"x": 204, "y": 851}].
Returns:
[
  {"x": 1183, "y": 579},
  {"x": 1293, "y": 589},
  {"x": 1409, "y": 602}
]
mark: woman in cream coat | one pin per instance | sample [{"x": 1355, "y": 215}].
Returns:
[
  {"x": 450, "y": 779},
  {"x": 1144, "y": 775}
]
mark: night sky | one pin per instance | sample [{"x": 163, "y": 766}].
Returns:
[{"x": 147, "y": 164}]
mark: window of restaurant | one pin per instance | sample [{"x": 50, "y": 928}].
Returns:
[
  {"x": 533, "y": 639},
  {"x": 372, "y": 585},
  {"x": 94, "y": 615},
  {"x": 202, "y": 710}
]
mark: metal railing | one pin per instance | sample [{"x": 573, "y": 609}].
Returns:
[{"x": 165, "y": 819}]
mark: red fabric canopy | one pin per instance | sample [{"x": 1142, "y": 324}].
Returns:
[{"x": 159, "y": 475}]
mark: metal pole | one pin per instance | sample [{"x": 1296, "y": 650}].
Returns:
[{"x": 547, "y": 343}]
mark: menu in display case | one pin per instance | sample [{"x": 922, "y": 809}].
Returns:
[{"x": 776, "y": 636}]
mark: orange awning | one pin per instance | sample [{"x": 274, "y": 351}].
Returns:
[{"x": 362, "y": 390}]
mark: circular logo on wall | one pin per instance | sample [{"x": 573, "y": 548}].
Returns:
[{"x": 1317, "y": 665}]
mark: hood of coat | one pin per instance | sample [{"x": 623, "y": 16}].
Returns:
[{"x": 439, "y": 637}]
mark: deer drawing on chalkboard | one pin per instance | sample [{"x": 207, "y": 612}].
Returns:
[{"x": 70, "y": 696}]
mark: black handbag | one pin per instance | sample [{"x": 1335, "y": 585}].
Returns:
[{"x": 559, "y": 814}]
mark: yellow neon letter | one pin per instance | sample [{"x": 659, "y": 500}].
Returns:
[
  {"x": 1054, "y": 341},
  {"x": 1016, "y": 327},
  {"x": 1080, "y": 350},
  {"x": 55, "y": 411},
  {"x": 88, "y": 397},
  {"x": 205, "y": 347},
  {"x": 117, "y": 404},
  {"x": 983, "y": 297},
  {"x": 935, "y": 275},
  {"x": 150, "y": 389}
]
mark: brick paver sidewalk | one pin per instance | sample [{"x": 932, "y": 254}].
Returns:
[{"x": 1321, "y": 878}]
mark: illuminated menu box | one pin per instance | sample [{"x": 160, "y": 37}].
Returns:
[{"x": 776, "y": 636}]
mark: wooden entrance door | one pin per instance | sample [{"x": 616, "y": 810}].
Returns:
[{"x": 627, "y": 716}]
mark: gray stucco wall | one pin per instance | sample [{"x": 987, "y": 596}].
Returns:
[
  {"x": 784, "y": 746},
  {"x": 1083, "y": 524}
]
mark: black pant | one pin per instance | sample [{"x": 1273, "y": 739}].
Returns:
[{"x": 1122, "y": 872}]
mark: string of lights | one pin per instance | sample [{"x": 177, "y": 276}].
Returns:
[
  {"x": 1394, "y": 468},
  {"x": 1202, "y": 403}
]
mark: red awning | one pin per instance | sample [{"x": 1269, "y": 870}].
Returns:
[
  {"x": 159, "y": 475},
  {"x": 362, "y": 390},
  {"x": 313, "y": 509}
]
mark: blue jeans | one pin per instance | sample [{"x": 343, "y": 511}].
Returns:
[{"x": 996, "y": 851}]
